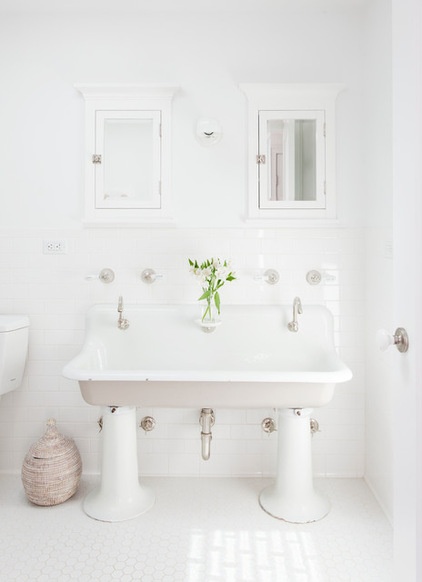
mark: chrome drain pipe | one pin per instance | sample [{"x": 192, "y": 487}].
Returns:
[{"x": 206, "y": 420}]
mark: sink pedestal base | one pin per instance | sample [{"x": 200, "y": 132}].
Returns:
[
  {"x": 292, "y": 497},
  {"x": 119, "y": 495}
]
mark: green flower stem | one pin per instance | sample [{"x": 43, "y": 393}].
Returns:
[{"x": 210, "y": 272}]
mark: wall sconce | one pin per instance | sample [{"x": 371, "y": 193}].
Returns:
[{"x": 208, "y": 131}]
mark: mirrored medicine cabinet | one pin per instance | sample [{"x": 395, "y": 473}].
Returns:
[
  {"x": 291, "y": 150},
  {"x": 127, "y": 153}
]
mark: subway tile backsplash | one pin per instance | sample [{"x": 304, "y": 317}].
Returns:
[{"x": 55, "y": 291}]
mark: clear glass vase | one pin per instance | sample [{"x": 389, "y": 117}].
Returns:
[{"x": 210, "y": 318}]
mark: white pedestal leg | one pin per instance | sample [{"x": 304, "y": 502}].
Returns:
[
  {"x": 292, "y": 497},
  {"x": 119, "y": 495}
]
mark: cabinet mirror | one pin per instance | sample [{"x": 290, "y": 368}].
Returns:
[
  {"x": 291, "y": 159},
  {"x": 291, "y": 151},
  {"x": 128, "y": 156},
  {"x": 128, "y": 175}
]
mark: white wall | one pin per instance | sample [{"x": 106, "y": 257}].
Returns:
[
  {"x": 54, "y": 292},
  {"x": 41, "y": 143},
  {"x": 41, "y": 114}
]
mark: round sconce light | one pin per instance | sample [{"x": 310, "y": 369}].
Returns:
[{"x": 208, "y": 131}]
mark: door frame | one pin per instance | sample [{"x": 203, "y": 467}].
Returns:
[{"x": 407, "y": 234}]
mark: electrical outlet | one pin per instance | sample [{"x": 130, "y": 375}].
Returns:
[{"x": 54, "y": 247}]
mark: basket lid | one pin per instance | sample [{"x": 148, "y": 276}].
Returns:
[{"x": 52, "y": 443}]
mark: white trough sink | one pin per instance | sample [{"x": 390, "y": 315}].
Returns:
[{"x": 165, "y": 359}]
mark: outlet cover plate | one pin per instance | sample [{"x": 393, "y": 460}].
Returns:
[{"x": 55, "y": 247}]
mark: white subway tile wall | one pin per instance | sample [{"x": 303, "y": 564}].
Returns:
[{"x": 55, "y": 292}]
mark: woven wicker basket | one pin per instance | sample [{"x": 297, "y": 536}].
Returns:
[{"x": 52, "y": 468}]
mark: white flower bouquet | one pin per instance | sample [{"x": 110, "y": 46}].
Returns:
[{"x": 211, "y": 274}]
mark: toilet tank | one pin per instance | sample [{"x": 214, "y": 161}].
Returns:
[{"x": 14, "y": 331}]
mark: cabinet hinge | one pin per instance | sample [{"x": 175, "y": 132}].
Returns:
[
  {"x": 96, "y": 158},
  {"x": 325, "y": 130},
  {"x": 260, "y": 159}
]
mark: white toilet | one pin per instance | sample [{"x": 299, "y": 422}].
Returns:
[{"x": 14, "y": 330}]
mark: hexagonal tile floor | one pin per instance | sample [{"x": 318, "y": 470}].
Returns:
[{"x": 199, "y": 530}]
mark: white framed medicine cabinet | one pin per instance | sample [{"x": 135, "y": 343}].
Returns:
[
  {"x": 127, "y": 153},
  {"x": 291, "y": 151}
]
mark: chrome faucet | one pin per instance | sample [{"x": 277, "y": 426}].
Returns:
[
  {"x": 122, "y": 323},
  {"x": 297, "y": 309}
]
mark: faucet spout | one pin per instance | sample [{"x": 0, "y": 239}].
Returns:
[
  {"x": 297, "y": 310},
  {"x": 122, "y": 323}
]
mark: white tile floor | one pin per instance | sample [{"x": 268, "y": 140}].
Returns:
[{"x": 200, "y": 530}]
